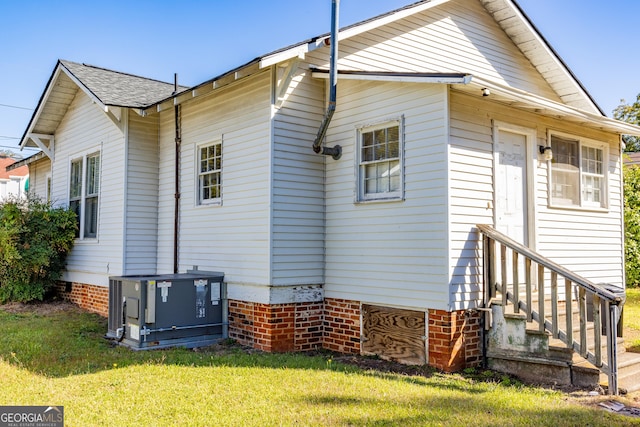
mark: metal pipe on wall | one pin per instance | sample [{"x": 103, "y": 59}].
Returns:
[
  {"x": 336, "y": 151},
  {"x": 176, "y": 212}
]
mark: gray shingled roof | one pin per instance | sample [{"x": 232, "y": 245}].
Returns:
[{"x": 120, "y": 89}]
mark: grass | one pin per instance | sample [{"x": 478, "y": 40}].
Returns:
[
  {"x": 631, "y": 320},
  {"x": 61, "y": 358}
]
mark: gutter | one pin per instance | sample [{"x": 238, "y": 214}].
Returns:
[{"x": 336, "y": 151}]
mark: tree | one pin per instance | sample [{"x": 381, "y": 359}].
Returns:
[
  {"x": 632, "y": 224},
  {"x": 630, "y": 114}
]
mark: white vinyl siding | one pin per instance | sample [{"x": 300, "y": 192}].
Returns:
[
  {"x": 298, "y": 185},
  {"x": 140, "y": 251},
  {"x": 233, "y": 237},
  {"x": 85, "y": 129},
  {"x": 389, "y": 253},
  {"x": 559, "y": 233},
  {"x": 457, "y": 36}
]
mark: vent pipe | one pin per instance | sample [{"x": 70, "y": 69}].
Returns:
[
  {"x": 176, "y": 212},
  {"x": 336, "y": 151}
]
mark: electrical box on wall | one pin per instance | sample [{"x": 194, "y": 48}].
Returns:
[{"x": 188, "y": 309}]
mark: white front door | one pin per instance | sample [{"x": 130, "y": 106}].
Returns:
[{"x": 511, "y": 185}]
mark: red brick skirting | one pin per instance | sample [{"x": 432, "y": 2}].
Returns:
[
  {"x": 454, "y": 340},
  {"x": 276, "y": 327},
  {"x": 89, "y": 297},
  {"x": 341, "y": 325}
]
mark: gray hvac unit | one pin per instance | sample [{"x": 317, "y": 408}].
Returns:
[{"x": 188, "y": 310}]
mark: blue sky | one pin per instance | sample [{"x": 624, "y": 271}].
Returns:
[{"x": 199, "y": 39}]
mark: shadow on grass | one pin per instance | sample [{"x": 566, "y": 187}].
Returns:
[
  {"x": 457, "y": 409},
  {"x": 71, "y": 342}
]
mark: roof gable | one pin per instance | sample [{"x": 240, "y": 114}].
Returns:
[
  {"x": 456, "y": 37},
  {"x": 107, "y": 88},
  {"x": 507, "y": 15}
]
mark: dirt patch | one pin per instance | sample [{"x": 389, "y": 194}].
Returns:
[
  {"x": 380, "y": 365},
  {"x": 41, "y": 308}
]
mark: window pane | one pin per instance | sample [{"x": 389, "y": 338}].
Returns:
[
  {"x": 565, "y": 173},
  {"x": 91, "y": 217},
  {"x": 371, "y": 179},
  {"x": 564, "y": 188},
  {"x": 75, "y": 184},
  {"x": 394, "y": 181},
  {"x": 367, "y": 150},
  {"x": 74, "y": 205},
  {"x": 565, "y": 150},
  {"x": 93, "y": 172},
  {"x": 592, "y": 160},
  {"x": 380, "y": 161},
  {"x": 592, "y": 189},
  {"x": 383, "y": 177}
]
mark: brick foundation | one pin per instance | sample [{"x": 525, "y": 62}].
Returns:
[
  {"x": 341, "y": 325},
  {"x": 277, "y": 327},
  {"x": 89, "y": 297},
  {"x": 454, "y": 340}
]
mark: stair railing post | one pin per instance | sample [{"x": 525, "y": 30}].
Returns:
[
  {"x": 597, "y": 331},
  {"x": 488, "y": 273},
  {"x": 612, "y": 348}
]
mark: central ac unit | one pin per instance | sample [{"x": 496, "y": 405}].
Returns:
[{"x": 158, "y": 311}]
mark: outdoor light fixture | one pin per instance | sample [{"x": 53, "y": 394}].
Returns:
[
  {"x": 485, "y": 91},
  {"x": 546, "y": 152}
]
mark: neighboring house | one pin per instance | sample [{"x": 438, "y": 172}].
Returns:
[
  {"x": 632, "y": 159},
  {"x": 442, "y": 108},
  {"x": 14, "y": 181}
]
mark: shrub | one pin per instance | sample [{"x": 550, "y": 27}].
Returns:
[
  {"x": 35, "y": 239},
  {"x": 632, "y": 224}
]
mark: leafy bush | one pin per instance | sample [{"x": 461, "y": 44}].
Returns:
[
  {"x": 632, "y": 224},
  {"x": 35, "y": 239}
]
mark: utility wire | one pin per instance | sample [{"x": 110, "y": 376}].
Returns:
[
  {"x": 17, "y": 148},
  {"x": 15, "y": 106}
]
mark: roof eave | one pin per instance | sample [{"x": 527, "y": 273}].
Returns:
[
  {"x": 300, "y": 49},
  {"x": 521, "y": 99},
  {"x": 26, "y": 162},
  {"x": 551, "y": 52}
]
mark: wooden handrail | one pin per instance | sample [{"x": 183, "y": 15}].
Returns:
[
  {"x": 597, "y": 289},
  {"x": 601, "y": 294}
]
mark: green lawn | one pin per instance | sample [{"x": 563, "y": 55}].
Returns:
[
  {"x": 631, "y": 321},
  {"x": 60, "y": 358}
]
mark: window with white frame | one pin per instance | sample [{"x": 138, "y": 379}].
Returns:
[
  {"x": 210, "y": 173},
  {"x": 380, "y": 162},
  {"x": 578, "y": 172},
  {"x": 84, "y": 188}
]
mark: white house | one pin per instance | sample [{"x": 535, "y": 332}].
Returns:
[{"x": 441, "y": 110}]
